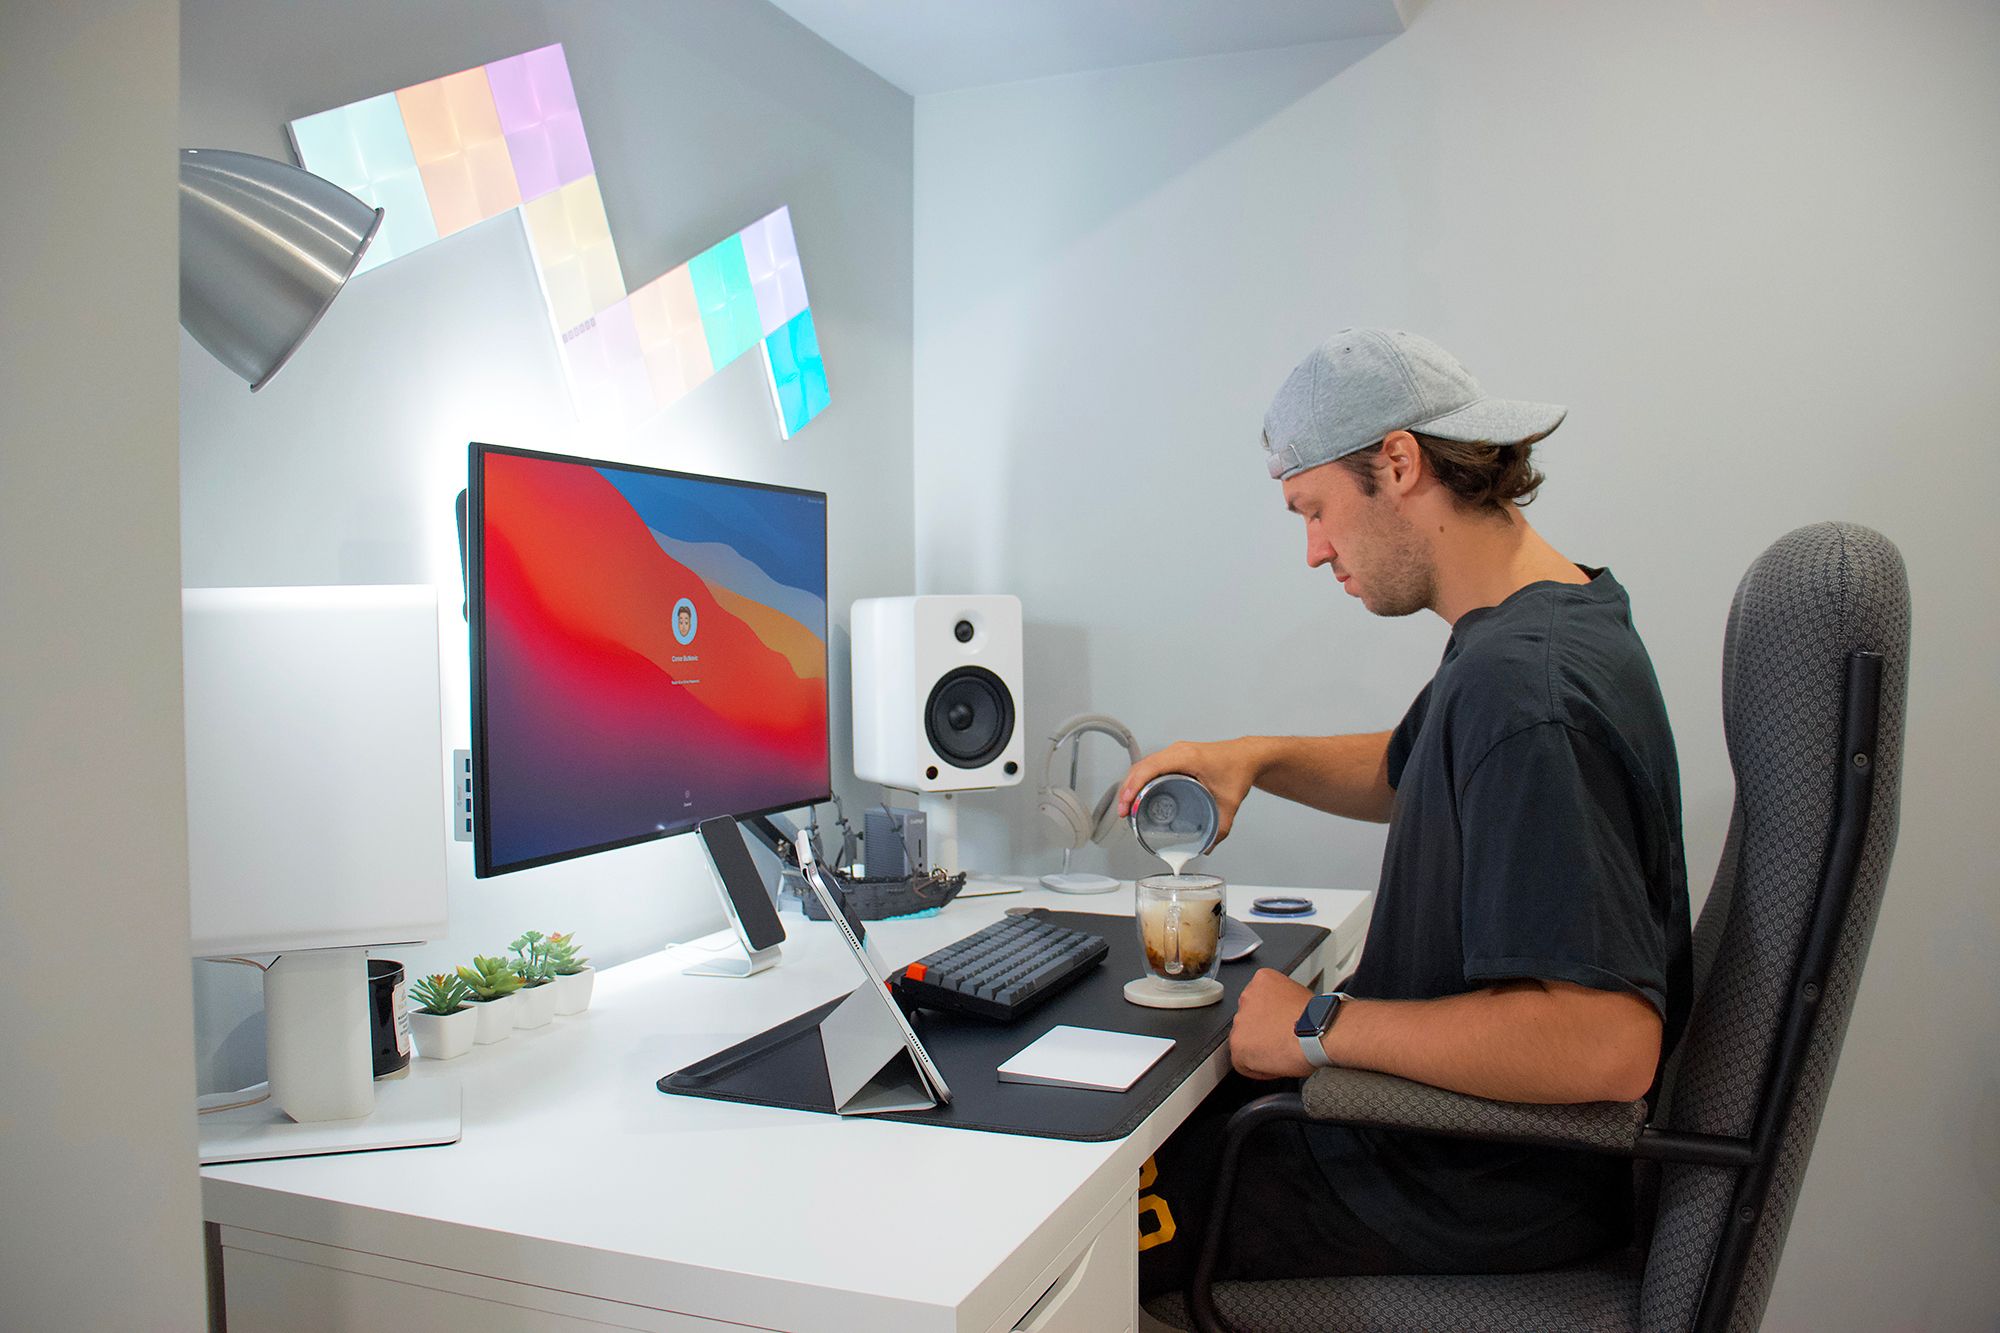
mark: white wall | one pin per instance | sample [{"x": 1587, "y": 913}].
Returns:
[
  {"x": 1750, "y": 244},
  {"x": 101, "y": 1225},
  {"x": 700, "y": 119}
]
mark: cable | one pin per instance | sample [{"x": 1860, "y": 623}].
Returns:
[{"x": 235, "y": 1106}]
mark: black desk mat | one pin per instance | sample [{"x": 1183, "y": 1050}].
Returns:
[{"x": 786, "y": 1066}]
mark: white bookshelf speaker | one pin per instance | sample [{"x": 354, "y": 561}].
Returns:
[{"x": 937, "y": 692}]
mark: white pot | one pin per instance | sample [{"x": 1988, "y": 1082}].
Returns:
[
  {"x": 444, "y": 1036},
  {"x": 535, "y": 1006},
  {"x": 496, "y": 1019},
  {"x": 573, "y": 991}
]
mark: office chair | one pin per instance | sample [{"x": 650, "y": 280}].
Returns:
[{"x": 1814, "y": 669}]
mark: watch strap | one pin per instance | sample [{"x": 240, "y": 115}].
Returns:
[
  {"x": 1310, "y": 1041},
  {"x": 1315, "y": 1053}
]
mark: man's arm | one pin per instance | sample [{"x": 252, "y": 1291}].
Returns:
[
  {"x": 1342, "y": 775},
  {"x": 1519, "y": 1041}
]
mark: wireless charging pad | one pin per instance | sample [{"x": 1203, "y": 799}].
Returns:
[{"x": 1154, "y": 993}]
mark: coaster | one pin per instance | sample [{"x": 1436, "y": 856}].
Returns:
[{"x": 1154, "y": 993}]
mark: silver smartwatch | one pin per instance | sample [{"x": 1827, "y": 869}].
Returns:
[{"x": 1318, "y": 1016}]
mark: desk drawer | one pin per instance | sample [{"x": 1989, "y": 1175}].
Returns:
[
  {"x": 1095, "y": 1293},
  {"x": 274, "y": 1284}
]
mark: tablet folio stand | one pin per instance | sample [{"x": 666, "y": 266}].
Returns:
[
  {"x": 874, "y": 1061},
  {"x": 866, "y": 1062}
]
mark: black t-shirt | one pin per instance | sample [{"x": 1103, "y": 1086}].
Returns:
[{"x": 1536, "y": 833}]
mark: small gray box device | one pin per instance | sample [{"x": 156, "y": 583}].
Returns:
[{"x": 894, "y": 843}]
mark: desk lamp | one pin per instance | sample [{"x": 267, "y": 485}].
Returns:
[
  {"x": 316, "y": 817},
  {"x": 265, "y": 248}
]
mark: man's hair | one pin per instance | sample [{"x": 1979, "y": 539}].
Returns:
[{"x": 1479, "y": 476}]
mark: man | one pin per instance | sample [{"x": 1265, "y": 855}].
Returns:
[{"x": 1530, "y": 934}]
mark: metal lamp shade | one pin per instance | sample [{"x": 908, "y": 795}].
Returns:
[{"x": 265, "y": 247}]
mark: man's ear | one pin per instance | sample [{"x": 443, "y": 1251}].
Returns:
[{"x": 1402, "y": 462}]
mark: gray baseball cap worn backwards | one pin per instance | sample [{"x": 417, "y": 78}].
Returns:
[{"x": 1363, "y": 384}]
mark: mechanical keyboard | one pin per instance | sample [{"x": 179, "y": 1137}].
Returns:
[{"x": 1004, "y": 970}]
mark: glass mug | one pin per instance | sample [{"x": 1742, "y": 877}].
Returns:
[{"x": 1180, "y": 927}]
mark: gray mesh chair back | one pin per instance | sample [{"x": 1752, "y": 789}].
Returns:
[{"x": 1814, "y": 598}]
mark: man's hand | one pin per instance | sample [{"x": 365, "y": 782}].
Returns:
[
  {"x": 1262, "y": 1043},
  {"x": 1227, "y": 768}
]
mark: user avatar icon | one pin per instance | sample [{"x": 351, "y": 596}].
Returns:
[{"x": 684, "y": 621}]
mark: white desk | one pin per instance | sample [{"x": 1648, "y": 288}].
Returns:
[{"x": 581, "y": 1197}]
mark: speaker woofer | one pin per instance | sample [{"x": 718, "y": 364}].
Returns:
[{"x": 969, "y": 717}]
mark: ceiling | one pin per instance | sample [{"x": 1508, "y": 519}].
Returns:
[{"x": 936, "y": 46}]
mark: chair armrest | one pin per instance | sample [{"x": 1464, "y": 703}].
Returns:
[{"x": 1383, "y": 1101}]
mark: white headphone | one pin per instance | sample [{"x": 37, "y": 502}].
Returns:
[{"x": 1074, "y": 826}]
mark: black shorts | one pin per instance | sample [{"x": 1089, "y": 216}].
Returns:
[{"x": 1285, "y": 1218}]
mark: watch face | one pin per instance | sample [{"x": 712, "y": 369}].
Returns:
[{"x": 1318, "y": 1013}]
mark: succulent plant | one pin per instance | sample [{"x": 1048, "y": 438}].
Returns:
[
  {"x": 563, "y": 956},
  {"x": 531, "y": 959},
  {"x": 489, "y": 978},
  {"x": 440, "y": 993}
]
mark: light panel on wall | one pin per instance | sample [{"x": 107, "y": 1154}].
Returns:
[
  {"x": 537, "y": 107},
  {"x": 364, "y": 149},
  {"x": 461, "y": 155},
  {"x": 772, "y": 256},
  {"x": 570, "y": 237},
  {"x": 442, "y": 155},
  {"x": 668, "y": 320},
  {"x": 798, "y": 375},
  {"x": 728, "y": 305}
]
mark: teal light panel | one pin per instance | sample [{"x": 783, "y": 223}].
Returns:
[
  {"x": 798, "y": 373},
  {"x": 727, "y": 302}
]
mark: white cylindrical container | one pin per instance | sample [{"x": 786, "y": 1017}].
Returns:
[{"x": 316, "y": 1034}]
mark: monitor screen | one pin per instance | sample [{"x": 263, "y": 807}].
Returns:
[{"x": 648, "y": 651}]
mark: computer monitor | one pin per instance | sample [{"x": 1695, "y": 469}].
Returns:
[{"x": 649, "y": 650}]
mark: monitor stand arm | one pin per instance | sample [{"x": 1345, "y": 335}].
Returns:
[{"x": 776, "y": 833}]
